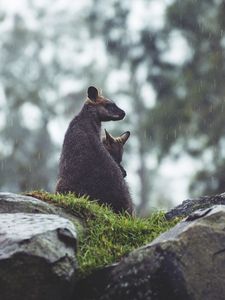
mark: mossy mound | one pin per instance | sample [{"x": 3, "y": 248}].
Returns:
[{"x": 107, "y": 236}]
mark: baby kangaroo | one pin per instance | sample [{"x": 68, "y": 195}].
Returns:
[
  {"x": 86, "y": 167},
  {"x": 114, "y": 146}
]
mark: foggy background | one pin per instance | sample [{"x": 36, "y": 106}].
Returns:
[{"x": 160, "y": 61}]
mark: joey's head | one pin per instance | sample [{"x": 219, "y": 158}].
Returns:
[
  {"x": 105, "y": 109},
  {"x": 114, "y": 145}
]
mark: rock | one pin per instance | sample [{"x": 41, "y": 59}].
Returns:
[
  {"x": 96, "y": 282},
  {"x": 14, "y": 203},
  {"x": 37, "y": 257},
  {"x": 188, "y": 206},
  {"x": 186, "y": 262}
]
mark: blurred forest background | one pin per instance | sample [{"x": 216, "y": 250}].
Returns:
[{"x": 163, "y": 62}]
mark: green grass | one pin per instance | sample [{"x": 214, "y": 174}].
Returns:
[{"x": 107, "y": 236}]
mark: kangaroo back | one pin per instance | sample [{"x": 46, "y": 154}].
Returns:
[{"x": 86, "y": 167}]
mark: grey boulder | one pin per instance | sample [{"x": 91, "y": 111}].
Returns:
[
  {"x": 14, "y": 203},
  {"x": 186, "y": 262},
  {"x": 37, "y": 256},
  {"x": 190, "y": 205}
]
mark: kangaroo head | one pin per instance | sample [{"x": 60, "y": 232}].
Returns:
[
  {"x": 105, "y": 109},
  {"x": 114, "y": 145}
]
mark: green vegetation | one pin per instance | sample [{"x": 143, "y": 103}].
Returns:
[{"x": 107, "y": 236}]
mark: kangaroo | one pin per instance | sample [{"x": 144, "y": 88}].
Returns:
[
  {"x": 114, "y": 146},
  {"x": 86, "y": 167}
]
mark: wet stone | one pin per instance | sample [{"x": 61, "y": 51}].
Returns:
[
  {"x": 37, "y": 256},
  {"x": 14, "y": 203},
  {"x": 187, "y": 263}
]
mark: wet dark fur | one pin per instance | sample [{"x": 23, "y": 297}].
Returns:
[{"x": 86, "y": 167}]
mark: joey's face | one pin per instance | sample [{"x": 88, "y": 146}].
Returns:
[
  {"x": 106, "y": 109},
  {"x": 115, "y": 149},
  {"x": 114, "y": 145}
]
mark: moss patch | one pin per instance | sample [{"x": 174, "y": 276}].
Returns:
[{"x": 107, "y": 236}]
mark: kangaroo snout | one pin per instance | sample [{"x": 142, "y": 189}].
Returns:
[
  {"x": 122, "y": 114},
  {"x": 118, "y": 115}
]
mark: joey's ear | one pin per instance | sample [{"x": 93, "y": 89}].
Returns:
[
  {"x": 124, "y": 137},
  {"x": 109, "y": 138},
  {"x": 92, "y": 93}
]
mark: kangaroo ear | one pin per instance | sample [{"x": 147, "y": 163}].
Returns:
[
  {"x": 92, "y": 93},
  {"x": 124, "y": 136},
  {"x": 109, "y": 138}
]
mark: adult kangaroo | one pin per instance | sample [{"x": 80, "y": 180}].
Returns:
[{"x": 86, "y": 167}]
